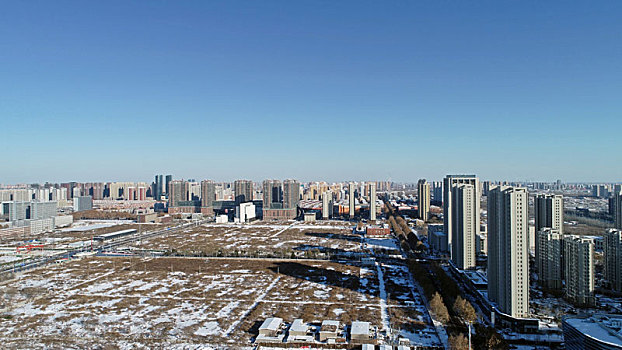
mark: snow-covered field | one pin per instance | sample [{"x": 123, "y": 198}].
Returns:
[
  {"x": 250, "y": 238},
  {"x": 173, "y": 301},
  {"x": 199, "y": 302}
]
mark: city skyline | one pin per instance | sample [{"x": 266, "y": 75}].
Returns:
[{"x": 116, "y": 90}]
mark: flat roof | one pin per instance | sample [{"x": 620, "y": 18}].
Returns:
[
  {"x": 271, "y": 323},
  {"x": 360, "y": 327},
  {"x": 298, "y": 326}
]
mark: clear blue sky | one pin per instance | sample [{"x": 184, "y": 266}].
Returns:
[{"x": 122, "y": 90}]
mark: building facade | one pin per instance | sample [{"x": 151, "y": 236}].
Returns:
[
  {"x": 243, "y": 191},
  {"x": 327, "y": 205},
  {"x": 208, "y": 196},
  {"x": 612, "y": 258},
  {"x": 423, "y": 190},
  {"x": 549, "y": 258},
  {"x": 452, "y": 215},
  {"x": 579, "y": 270},
  {"x": 508, "y": 250},
  {"x": 351, "y": 199},
  {"x": 372, "y": 201}
]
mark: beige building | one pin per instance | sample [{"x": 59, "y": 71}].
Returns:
[
  {"x": 549, "y": 258},
  {"x": 508, "y": 251},
  {"x": 372, "y": 201},
  {"x": 579, "y": 270},
  {"x": 464, "y": 227},
  {"x": 351, "y": 199},
  {"x": 423, "y": 188},
  {"x": 461, "y": 196},
  {"x": 327, "y": 205}
]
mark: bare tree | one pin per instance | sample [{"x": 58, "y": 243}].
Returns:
[
  {"x": 438, "y": 308},
  {"x": 458, "y": 342}
]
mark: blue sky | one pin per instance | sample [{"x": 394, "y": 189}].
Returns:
[{"x": 314, "y": 90}]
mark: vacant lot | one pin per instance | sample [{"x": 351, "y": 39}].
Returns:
[
  {"x": 245, "y": 240},
  {"x": 173, "y": 301}
]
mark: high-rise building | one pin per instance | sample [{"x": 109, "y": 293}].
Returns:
[
  {"x": 351, "y": 199},
  {"x": 461, "y": 206},
  {"x": 612, "y": 254},
  {"x": 372, "y": 201},
  {"x": 272, "y": 194},
  {"x": 208, "y": 193},
  {"x": 82, "y": 203},
  {"x": 508, "y": 250},
  {"x": 158, "y": 188},
  {"x": 141, "y": 193},
  {"x": 167, "y": 181},
  {"x": 16, "y": 210},
  {"x": 177, "y": 192},
  {"x": 243, "y": 191},
  {"x": 423, "y": 188},
  {"x": 617, "y": 208},
  {"x": 43, "y": 210},
  {"x": 549, "y": 258},
  {"x": 280, "y": 202},
  {"x": 486, "y": 187},
  {"x": 549, "y": 212},
  {"x": 291, "y": 194},
  {"x": 327, "y": 205},
  {"x": 579, "y": 270},
  {"x": 437, "y": 191},
  {"x": 463, "y": 249}
]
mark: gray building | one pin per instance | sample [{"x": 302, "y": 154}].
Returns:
[
  {"x": 16, "y": 210},
  {"x": 208, "y": 193},
  {"x": 82, "y": 203},
  {"x": 617, "y": 208},
  {"x": 43, "y": 210},
  {"x": 508, "y": 250},
  {"x": 158, "y": 187},
  {"x": 612, "y": 256},
  {"x": 549, "y": 212}
]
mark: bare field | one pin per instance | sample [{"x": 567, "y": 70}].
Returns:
[
  {"x": 149, "y": 302},
  {"x": 175, "y": 302},
  {"x": 278, "y": 239}
]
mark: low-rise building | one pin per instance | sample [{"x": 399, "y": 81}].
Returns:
[
  {"x": 360, "y": 332},
  {"x": 300, "y": 332},
  {"x": 271, "y": 331},
  {"x": 329, "y": 330},
  {"x": 600, "y": 331}
]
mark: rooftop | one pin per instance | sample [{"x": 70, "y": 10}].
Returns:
[
  {"x": 359, "y": 327},
  {"x": 605, "y": 328},
  {"x": 271, "y": 323}
]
